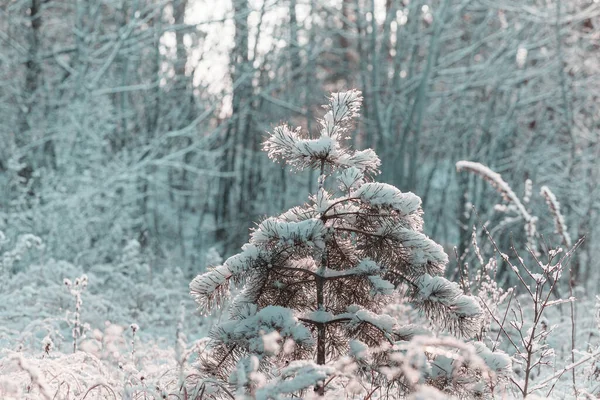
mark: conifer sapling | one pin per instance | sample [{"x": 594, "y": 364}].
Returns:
[{"x": 321, "y": 273}]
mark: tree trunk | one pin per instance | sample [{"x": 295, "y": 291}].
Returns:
[{"x": 237, "y": 132}]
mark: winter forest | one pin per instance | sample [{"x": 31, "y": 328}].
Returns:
[{"x": 312, "y": 199}]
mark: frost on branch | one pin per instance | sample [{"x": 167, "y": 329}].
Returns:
[
  {"x": 351, "y": 179},
  {"x": 444, "y": 300},
  {"x": 384, "y": 195},
  {"x": 211, "y": 288},
  {"x": 301, "y": 151},
  {"x": 559, "y": 220},
  {"x": 275, "y": 231},
  {"x": 497, "y": 182},
  {"x": 497, "y": 361},
  {"x": 515, "y": 205},
  {"x": 252, "y": 325},
  {"x": 421, "y": 251},
  {"x": 297, "y": 377}
]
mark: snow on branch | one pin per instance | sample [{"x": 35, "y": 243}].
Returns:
[
  {"x": 421, "y": 249},
  {"x": 410, "y": 331},
  {"x": 451, "y": 359},
  {"x": 507, "y": 193},
  {"x": 322, "y": 273},
  {"x": 287, "y": 145},
  {"x": 441, "y": 298},
  {"x": 383, "y": 322},
  {"x": 343, "y": 107},
  {"x": 247, "y": 331},
  {"x": 497, "y": 361},
  {"x": 364, "y": 267},
  {"x": 350, "y": 179},
  {"x": 295, "y": 378},
  {"x": 364, "y": 160},
  {"x": 300, "y": 151},
  {"x": 36, "y": 376},
  {"x": 385, "y": 195},
  {"x": 211, "y": 288},
  {"x": 381, "y": 286},
  {"x": 274, "y": 230}
]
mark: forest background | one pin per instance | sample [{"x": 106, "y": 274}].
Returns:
[{"x": 142, "y": 120}]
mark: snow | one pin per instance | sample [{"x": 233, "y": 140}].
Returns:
[
  {"x": 424, "y": 392},
  {"x": 296, "y": 377},
  {"x": 422, "y": 250},
  {"x": 267, "y": 350},
  {"x": 47, "y": 344},
  {"x": 436, "y": 287},
  {"x": 210, "y": 288},
  {"x": 243, "y": 261},
  {"x": 256, "y": 323},
  {"x": 364, "y": 267},
  {"x": 381, "y": 286},
  {"x": 368, "y": 266},
  {"x": 321, "y": 317},
  {"x": 271, "y": 343},
  {"x": 497, "y": 361},
  {"x": 381, "y": 321},
  {"x": 363, "y": 160},
  {"x": 384, "y": 195},
  {"x": 409, "y": 331},
  {"x": 322, "y": 201},
  {"x": 350, "y": 179},
  {"x": 300, "y": 153},
  {"x": 207, "y": 288},
  {"x": 438, "y": 290},
  {"x": 358, "y": 349},
  {"x": 36, "y": 376},
  {"x": 287, "y": 144},
  {"x": 328, "y": 149},
  {"x": 345, "y": 106},
  {"x": 275, "y": 230},
  {"x": 297, "y": 214},
  {"x": 521, "y": 57},
  {"x": 465, "y": 306}
]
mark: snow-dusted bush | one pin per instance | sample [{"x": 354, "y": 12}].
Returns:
[
  {"x": 528, "y": 320},
  {"x": 320, "y": 275}
]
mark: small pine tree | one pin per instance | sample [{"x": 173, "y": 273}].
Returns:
[{"x": 320, "y": 274}]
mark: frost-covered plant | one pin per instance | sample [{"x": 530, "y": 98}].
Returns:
[
  {"x": 593, "y": 370},
  {"x": 76, "y": 288},
  {"x": 37, "y": 339},
  {"x": 526, "y": 328},
  {"x": 92, "y": 372},
  {"x": 515, "y": 209},
  {"x": 9, "y": 257},
  {"x": 484, "y": 285},
  {"x": 559, "y": 220},
  {"x": 320, "y": 274},
  {"x": 524, "y": 321}
]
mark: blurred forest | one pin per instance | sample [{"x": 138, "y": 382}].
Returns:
[{"x": 143, "y": 119}]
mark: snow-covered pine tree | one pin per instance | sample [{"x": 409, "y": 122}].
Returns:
[{"x": 321, "y": 273}]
